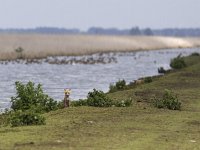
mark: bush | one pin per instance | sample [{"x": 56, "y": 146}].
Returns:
[
  {"x": 30, "y": 97},
  {"x": 123, "y": 103},
  {"x": 28, "y": 104},
  {"x": 120, "y": 85},
  {"x": 80, "y": 102},
  {"x": 178, "y": 63},
  {"x": 98, "y": 99},
  {"x": 195, "y": 54},
  {"x": 161, "y": 70},
  {"x": 3, "y": 119},
  {"x": 148, "y": 80},
  {"x": 169, "y": 101},
  {"x": 20, "y": 118}
]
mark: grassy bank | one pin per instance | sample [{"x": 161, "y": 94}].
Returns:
[
  {"x": 140, "y": 126},
  {"x": 41, "y": 45}
]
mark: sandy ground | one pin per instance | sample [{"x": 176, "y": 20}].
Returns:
[{"x": 41, "y": 45}]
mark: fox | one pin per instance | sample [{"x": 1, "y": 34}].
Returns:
[{"x": 67, "y": 93}]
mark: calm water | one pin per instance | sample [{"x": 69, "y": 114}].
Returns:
[{"x": 83, "y": 78}]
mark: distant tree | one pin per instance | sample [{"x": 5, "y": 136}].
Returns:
[
  {"x": 95, "y": 30},
  {"x": 148, "y": 32},
  {"x": 135, "y": 31}
]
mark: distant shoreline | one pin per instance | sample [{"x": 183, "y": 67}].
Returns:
[{"x": 43, "y": 45}]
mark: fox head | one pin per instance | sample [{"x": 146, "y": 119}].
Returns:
[{"x": 67, "y": 91}]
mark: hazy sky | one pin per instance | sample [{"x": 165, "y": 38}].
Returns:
[{"x": 105, "y": 13}]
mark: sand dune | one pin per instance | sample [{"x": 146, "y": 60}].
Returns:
[{"x": 40, "y": 45}]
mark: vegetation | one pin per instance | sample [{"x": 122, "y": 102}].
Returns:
[
  {"x": 169, "y": 101},
  {"x": 42, "y": 46},
  {"x": 148, "y": 32},
  {"x": 178, "y": 63},
  {"x": 30, "y": 97},
  {"x": 123, "y": 103},
  {"x": 19, "y": 52},
  {"x": 195, "y": 54},
  {"x": 135, "y": 31},
  {"x": 24, "y": 118},
  {"x": 3, "y": 119},
  {"x": 28, "y": 105},
  {"x": 100, "y": 99},
  {"x": 80, "y": 102},
  {"x": 120, "y": 85},
  {"x": 161, "y": 70},
  {"x": 148, "y": 80}
]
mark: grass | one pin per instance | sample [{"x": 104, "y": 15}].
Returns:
[
  {"x": 139, "y": 127},
  {"x": 41, "y": 45}
]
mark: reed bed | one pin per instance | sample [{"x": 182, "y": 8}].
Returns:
[{"x": 44, "y": 45}]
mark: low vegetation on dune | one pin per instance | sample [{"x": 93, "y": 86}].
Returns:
[{"x": 164, "y": 114}]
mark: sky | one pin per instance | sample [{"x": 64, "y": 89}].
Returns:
[{"x": 82, "y": 14}]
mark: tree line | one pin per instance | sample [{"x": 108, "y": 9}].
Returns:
[{"x": 182, "y": 32}]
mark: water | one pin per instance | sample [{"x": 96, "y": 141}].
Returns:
[{"x": 83, "y": 78}]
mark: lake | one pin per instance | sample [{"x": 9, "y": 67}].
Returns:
[{"x": 82, "y": 78}]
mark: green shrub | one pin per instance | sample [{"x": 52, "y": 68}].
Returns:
[
  {"x": 123, "y": 103},
  {"x": 98, "y": 99},
  {"x": 120, "y": 85},
  {"x": 80, "y": 102},
  {"x": 148, "y": 80},
  {"x": 3, "y": 119},
  {"x": 161, "y": 70},
  {"x": 60, "y": 104},
  {"x": 195, "y": 54},
  {"x": 28, "y": 104},
  {"x": 30, "y": 97},
  {"x": 28, "y": 117},
  {"x": 169, "y": 101},
  {"x": 112, "y": 88},
  {"x": 178, "y": 63}
]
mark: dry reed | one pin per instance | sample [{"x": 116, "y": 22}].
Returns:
[{"x": 41, "y": 45}]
